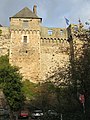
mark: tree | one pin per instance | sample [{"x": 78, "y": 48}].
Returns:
[
  {"x": 45, "y": 97},
  {"x": 83, "y": 75},
  {"x": 10, "y": 81},
  {"x": 67, "y": 82},
  {"x": 82, "y": 68}
]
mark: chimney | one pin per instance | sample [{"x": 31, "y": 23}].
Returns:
[{"x": 35, "y": 9}]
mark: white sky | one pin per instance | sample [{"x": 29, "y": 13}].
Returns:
[{"x": 51, "y": 11}]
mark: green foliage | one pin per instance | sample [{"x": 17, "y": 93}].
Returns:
[
  {"x": 83, "y": 75},
  {"x": 66, "y": 100},
  {"x": 45, "y": 98},
  {"x": 10, "y": 81},
  {"x": 4, "y": 61},
  {"x": 29, "y": 89},
  {"x": 81, "y": 70}
]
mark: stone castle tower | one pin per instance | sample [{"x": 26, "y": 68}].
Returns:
[
  {"x": 25, "y": 43},
  {"x": 35, "y": 49}
]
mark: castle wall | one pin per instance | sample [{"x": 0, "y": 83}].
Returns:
[
  {"x": 55, "y": 50},
  {"x": 40, "y": 56},
  {"x": 26, "y": 54},
  {"x": 47, "y": 32},
  {"x": 54, "y": 55},
  {"x": 4, "y": 41},
  {"x": 38, "y": 51}
]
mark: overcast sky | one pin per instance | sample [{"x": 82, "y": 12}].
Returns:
[{"x": 51, "y": 11}]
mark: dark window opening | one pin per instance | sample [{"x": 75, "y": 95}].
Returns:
[{"x": 25, "y": 39}]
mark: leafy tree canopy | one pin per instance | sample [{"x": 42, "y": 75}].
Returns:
[{"x": 10, "y": 82}]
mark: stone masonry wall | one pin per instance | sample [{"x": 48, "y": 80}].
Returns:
[
  {"x": 4, "y": 41},
  {"x": 26, "y": 55},
  {"x": 55, "y": 50},
  {"x": 53, "y": 56},
  {"x": 46, "y": 49}
]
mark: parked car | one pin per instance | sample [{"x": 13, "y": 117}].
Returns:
[
  {"x": 52, "y": 114},
  {"x": 23, "y": 114},
  {"x": 4, "y": 111},
  {"x": 37, "y": 114},
  {"x": 4, "y": 114}
]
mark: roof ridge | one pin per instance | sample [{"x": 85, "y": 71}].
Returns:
[{"x": 25, "y": 13}]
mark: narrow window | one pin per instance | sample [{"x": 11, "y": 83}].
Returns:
[
  {"x": 61, "y": 32},
  {"x": 25, "y": 39}
]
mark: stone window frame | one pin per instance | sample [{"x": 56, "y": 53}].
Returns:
[{"x": 23, "y": 40}]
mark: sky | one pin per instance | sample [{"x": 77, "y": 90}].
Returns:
[{"x": 52, "y": 12}]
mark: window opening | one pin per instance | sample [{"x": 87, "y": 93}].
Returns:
[
  {"x": 61, "y": 32},
  {"x": 50, "y": 32},
  {"x": 25, "y": 39}
]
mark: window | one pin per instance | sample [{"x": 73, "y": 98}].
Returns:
[
  {"x": 75, "y": 28},
  {"x": 50, "y": 32},
  {"x": 25, "y": 23},
  {"x": 25, "y": 39},
  {"x": 61, "y": 32}
]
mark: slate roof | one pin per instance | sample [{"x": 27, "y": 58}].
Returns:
[{"x": 25, "y": 13}]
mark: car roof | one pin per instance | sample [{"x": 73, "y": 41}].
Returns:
[{"x": 37, "y": 110}]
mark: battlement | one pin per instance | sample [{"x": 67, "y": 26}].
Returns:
[
  {"x": 53, "y": 40},
  {"x": 53, "y": 32},
  {"x": 25, "y": 31}
]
